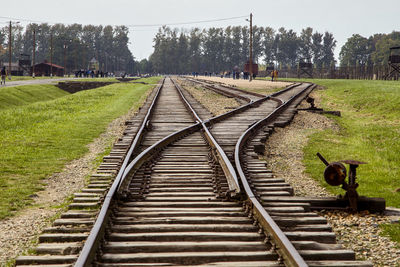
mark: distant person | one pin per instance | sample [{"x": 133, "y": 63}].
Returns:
[
  {"x": 272, "y": 75},
  {"x": 275, "y": 75},
  {"x": 3, "y": 75}
]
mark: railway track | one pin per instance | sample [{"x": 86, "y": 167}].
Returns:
[
  {"x": 241, "y": 96},
  {"x": 177, "y": 199}
]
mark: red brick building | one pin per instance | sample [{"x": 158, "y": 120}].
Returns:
[{"x": 44, "y": 69}]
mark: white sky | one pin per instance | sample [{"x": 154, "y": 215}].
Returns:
[{"x": 341, "y": 17}]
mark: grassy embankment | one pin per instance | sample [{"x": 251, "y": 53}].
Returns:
[
  {"x": 42, "y": 128},
  {"x": 369, "y": 131}
]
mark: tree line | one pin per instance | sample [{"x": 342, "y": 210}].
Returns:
[
  {"x": 374, "y": 50},
  {"x": 75, "y": 43},
  {"x": 223, "y": 49}
]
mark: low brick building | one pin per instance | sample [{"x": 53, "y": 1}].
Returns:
[{"x": 44, "y": 69}]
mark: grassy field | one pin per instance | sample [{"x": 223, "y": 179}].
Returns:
[
  {"x": 27, "y": 94},
  {"x": 38, "y": 138},
  {"x": 369, "y": 131}
]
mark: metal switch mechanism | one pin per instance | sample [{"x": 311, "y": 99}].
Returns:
[{"x": 335, "y": 175}]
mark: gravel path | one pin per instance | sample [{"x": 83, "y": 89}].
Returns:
[
  {"x": 359, "y": 232},
  {"x": 20, "y": 232},
  {"x": 37, "y": 81}
]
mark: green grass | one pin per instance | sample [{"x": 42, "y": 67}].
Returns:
[
  {"x": 38, "y": 139},
  {"x": 369, "y": 131},
  {"x": 28, "y": 94},
  {"x": 392, "y": 231}
]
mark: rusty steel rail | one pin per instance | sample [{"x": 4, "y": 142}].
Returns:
[
  {"x": 229, "y": 87},
  {"x": 273, "y": 97},
  {"x": 222, "y": 158},
  {"x": 121, "y": 183},
  {"x": 88, "y": 250},
  {"x": 223, "y": 92},
  {"x": 288, "y": 252}
]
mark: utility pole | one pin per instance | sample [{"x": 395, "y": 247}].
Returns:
[
  {"x": 251, "y": 48},
  {"x": 65, "y": 64},
  {"x": 51, "y": 55},
  {"x": 34, "y": 53},
  {"x": 9, "y": 53}
]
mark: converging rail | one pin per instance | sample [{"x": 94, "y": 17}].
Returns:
[{"x": 191, "y": 191}]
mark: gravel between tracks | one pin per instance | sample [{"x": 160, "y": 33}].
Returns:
[
  {"x": 257, "y": 86},
  {"x": 213, "y": 102},
  {"x": 359, "y": 232},
  {"x": 19, "y": 233}
]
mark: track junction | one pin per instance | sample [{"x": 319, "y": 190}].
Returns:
[{"x": 182, "y": 187}]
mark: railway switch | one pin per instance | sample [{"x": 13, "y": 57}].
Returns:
[{"x": 335, "y": 174}]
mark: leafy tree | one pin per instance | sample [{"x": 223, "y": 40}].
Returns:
[
  {"x": 288, "y": 45},
  {"x": 182, "y": 54},
  {"x": 236, "y": 49},
  {"x": 258, "y": 33},
  {"x": 306, "y": 44},
  {"x": 317, "y": 49},
  {"x": 355, "y": 51},
  {"x": 194, "y": 53},
  {"x": 79, "y": 44},
  {"x": 328, "y": 46},
  {"x": 380, "y": 54},
  {"x": 269, "y": 45}
]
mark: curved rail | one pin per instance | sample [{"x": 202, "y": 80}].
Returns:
[
  {"x": 223, "y": 92},
  {"x": 121, "y": 183},
  {"x": 287, "y": 250},
  {"x": 98, "y": 228},
  {"x": 229, "y": 171},
  {"x": 235, "y": 89},
  {"x": 252, "y": 104}
]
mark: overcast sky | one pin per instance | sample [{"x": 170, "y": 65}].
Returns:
[{"x": 341, "y": 17}]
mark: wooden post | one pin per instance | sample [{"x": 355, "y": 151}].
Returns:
[
  {"x": 65, "y": 66},
  {"x": 34, "y": 53},
  {"x": 251, "y": 48},
  {"x": 51, "y": 55},
  {"x": 9, "y": 53}
]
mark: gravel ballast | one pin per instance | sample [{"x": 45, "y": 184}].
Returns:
[{"x": 359, "y": 232}]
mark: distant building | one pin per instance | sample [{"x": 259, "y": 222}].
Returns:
[{"x": 44, "y": 69}]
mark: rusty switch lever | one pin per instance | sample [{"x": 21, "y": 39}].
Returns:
[
  {"x": 335, "y": 174},
  {"x": 322, "y": 159}
]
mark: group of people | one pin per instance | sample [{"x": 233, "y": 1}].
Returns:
[
  {"x": 236, "y": 75},
  {"x": 274, "y": 75},
  {"x": 227, "y": 74},
  {"x": 91, "y": 73}
]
